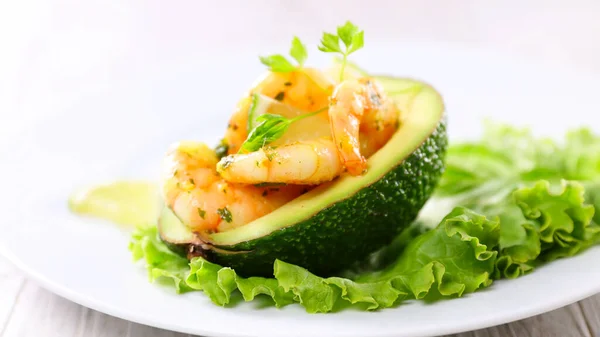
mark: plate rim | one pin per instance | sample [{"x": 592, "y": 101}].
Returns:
[
  {"x": 465, "y": 326},
  {"x": 462, "y": 326}
]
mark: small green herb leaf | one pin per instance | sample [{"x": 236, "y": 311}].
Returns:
[
  {"x": 351, "y": 36},
  {"x": 270, "y": 128},
  {"x": 225, "y": 214},
  {"x": 277, "y": 63},
  {"x": 330, "y": 43},
  {"x": 358, "y": 41},
  {"x": 347, "y": 33},
  {"x": 201, "y": 213},
  {"x": 298, "y": 51}
]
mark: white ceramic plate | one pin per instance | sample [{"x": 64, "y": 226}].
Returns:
[{"x": 101, "y": 120}]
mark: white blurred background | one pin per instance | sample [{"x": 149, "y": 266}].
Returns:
[
  {"x": 48, "y": 39},
  {"x": 144, "y": 56},
  {"x": 58, "y": 55},
  {"x": 55, "y": 54},
  {"x": 548, "y": 30}
]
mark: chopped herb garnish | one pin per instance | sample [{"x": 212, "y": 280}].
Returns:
[
  {"x": 269, "y": 184},
  {"x": 373, "y": 94},
  {"x": 226, "y": 161},
  {"x": 287, "y": 84},
  {"x": 224, "y": 213},
  {"x": 222, "y": 149},
  {"x": 270, "y": 154},
  {"x": 201, "y": 213},
  {"x": 352, "y": 38},
  {"x": 280, "y": 96},
  {"x": 186, "y": 185}
]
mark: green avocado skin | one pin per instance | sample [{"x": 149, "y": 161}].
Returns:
[{"x": 349, "y": 229}]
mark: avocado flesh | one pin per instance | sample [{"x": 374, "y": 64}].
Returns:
[
  {"x": 338, "y": 223},
  {"x": 174, "y": 233}
]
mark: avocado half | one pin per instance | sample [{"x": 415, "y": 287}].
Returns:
[{"x": 340, "y": 222}]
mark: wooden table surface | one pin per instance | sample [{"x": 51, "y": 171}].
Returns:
[{"x": 555, "y": 32}]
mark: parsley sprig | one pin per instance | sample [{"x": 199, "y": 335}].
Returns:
[
  {"x": 270, "y": 128},
  {"x": 352, "y": 38},
  {"x": 278, "y": 63}
]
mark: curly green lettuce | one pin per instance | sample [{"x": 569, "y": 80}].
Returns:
[
  {"x": 485, "y": 171},
  {"x": 540, "y": 226},
  {"x": 455, "y": 258},
  {"x": 521, "y": 202},
  {"x": 465, "y": 252},
  {"x": 162, "y": 264}
]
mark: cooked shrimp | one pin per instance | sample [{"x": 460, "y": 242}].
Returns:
[
  {"x": 237, "y": 129},
  {"x": 204, "y": 201},
  {"x": 360, "y": 107},
  {"x": 308, "y": 162},
  {"x": 307, "y": 89}
]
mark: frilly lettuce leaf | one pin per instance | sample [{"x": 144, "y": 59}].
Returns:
[
  {"x": 592, "y": 196},
  {"x": 539, "y": 225},
  {"x": 581, "y": 155},
  {"x": 465, "y": 252},
  {"x": 219, "y": 282},
  {"x": 162, "y": 264},
  {"x": 523, "y": 203},
  {"x": 455, "y": 258},
  {"x": 563, "y": 221},
  {"x": 510, "y": 174},
  {"x": 482, "y": 172}
]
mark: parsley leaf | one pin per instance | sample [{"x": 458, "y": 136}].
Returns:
[
  {"x": 280, "y": 64},
  {"x": 277, "y": 63},
  {"x": 330, "y": 44},
  {"x": 352, "y": 38},
  {"x": 347, "y": 32},
  {"x": 270, "y": 128},
  {"x": 358, "y": 41},
  {"x": 298, "y": 51}
]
